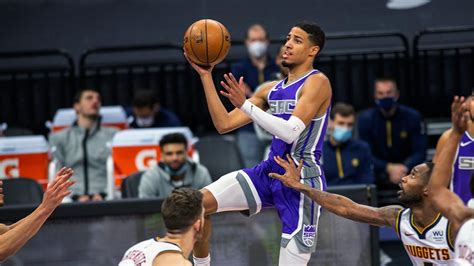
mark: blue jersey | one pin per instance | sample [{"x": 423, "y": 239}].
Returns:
[
  {"x": 463, "y": 168},
  {"x": 282, "y": 100}
]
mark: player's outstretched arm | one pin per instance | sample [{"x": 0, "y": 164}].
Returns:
[
  {"x": 335, "y": 203},
  {"x": 314, "y": 98},
  {"x": 12, "y": 240},
  {"x": 448, "y": 203},
  {"x": 223, "y": 121}
]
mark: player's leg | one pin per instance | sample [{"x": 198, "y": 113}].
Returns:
[
  {"x": 232, "y": 192},
  {"x": 300, "y": 217}
]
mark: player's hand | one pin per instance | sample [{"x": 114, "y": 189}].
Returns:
[
  {"x": 1, "y": 193},
  {"x": 396, "y": 171},
  {"x": 201, "y": 70},
  {"x": 58, "y": 189},
  {"x": 460, "y": 114},
  {"x": 291, "y": 178},
  {"x": 235, "y": 91}
]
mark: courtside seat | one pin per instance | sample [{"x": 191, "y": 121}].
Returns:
[{"x": 21, "y": 190}]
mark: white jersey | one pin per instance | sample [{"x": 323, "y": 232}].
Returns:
[
  {"x": 143, "y": 253},
  {"x": 430, "y": 245},
  {"x": 464, "y": 248}
]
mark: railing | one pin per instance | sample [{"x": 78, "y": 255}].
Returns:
[
  {"x": 442, "y": 70},
  {"x": 32, "y": 91}
]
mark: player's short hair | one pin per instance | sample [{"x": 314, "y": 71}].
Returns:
[
  {"x": 255, "y": 26},
  {"x": 78, "y": 94},
  {"x": 342, "y": 109},
  {"x": 427, "y": 175},
  {"x": 144, "y": 98},
  {"x": 181, "y": 209},
  {"x": 316, "y": 34},
  {"x": 174, "y": 138}
]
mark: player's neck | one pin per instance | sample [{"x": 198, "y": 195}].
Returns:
[
  {"x": 470, "y": 130},
  {"x": 297, "y": 72},
  {"x": 424, "y": 214},
  {"x": 184, "y": 241}
]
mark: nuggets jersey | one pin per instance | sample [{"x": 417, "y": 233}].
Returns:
[
  {"x": 143, "y": 253},
  {"x": 428, "y": 246},
  {"x": 464, "y": 248},
  {"x": 282, "y": 100},
  {"x": 463, "y": 168}
]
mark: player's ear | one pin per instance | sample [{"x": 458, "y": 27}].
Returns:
[{"x": 314, "y": 50}]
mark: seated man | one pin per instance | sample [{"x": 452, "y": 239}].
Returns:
[
  {"x": 395, "y": 135},
  {"x": 346, "y": 160},
  {"x": 183, "y": 215},
  {"x": 15, "y": 236},
  {"x": 147, "y": 112},
  {"x": 83, "y": 147},
  {"x": 174, "y": 171}
]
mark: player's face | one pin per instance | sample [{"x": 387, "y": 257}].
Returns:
[
  {"x": 385, "y": 89},
  {"x": 412, "y": 185},
  {"x": 89, "y": 104},
  {"x": 174, "y": 155},
  {"x": 298, "y": 48}
]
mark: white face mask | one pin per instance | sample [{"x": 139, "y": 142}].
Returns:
[
  {"x": 145, "y": 122},
  {"x": 257, "y": 49}
]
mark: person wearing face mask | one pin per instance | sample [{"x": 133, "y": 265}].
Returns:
[
  {"x": 175, "y": 170},
  {"x": 395, "y": 133},
  {"x": 148, "y": 113},
  {"x": 346, "y": 160},
  {"x": 257, "y": 68}
]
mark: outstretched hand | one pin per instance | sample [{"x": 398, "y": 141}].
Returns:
[
  {"x": 201, "y": 70},
  {"x": 235, "y": 91},
  {"x": 58, "y": 189},
  {"x": 460, "y": 114},
  {"x": 291, "y": 177}
]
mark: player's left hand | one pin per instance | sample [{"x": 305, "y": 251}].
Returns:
[
  {"x": 235, "y": 91},
  {"x": 291, "y": 178},
  {"x": 460, "y": 114}
]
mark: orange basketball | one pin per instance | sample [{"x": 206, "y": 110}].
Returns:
[{"x": 206, "y": 42}]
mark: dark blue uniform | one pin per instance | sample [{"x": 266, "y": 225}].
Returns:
[
  {"x": 348, "y": 164},
  {"x": 398, "y": 139}
]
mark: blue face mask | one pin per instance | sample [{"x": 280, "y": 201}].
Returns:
[
  {"x": 341, "y": 134},
  {"x": 386, "y": 103}
]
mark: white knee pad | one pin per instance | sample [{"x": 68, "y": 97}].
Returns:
[
  {"x": 228, "y": 193},
  {"x": 291, "y": 255}
]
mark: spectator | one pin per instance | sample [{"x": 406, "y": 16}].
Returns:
[
  {"x": 257, "y": 68},
  {"x": 14, "y": 237},
  {"x": 346, "y": 161},
  {"x": 394, "y": 132},
  {"x": 147, "y": 112},
  {"x": 83, "y": 147},
  {"x": 174, "y": 171}
]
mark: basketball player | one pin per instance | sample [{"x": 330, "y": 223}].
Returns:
[
  {"x": 299, "y": 108},
  {"x": 447, "y": 202},
  {"x": 464, "y": 162},
  {"x": 14, "y": 237},
  {"x": 183, "y": 215},
  {"x": 422, "y": 229}
]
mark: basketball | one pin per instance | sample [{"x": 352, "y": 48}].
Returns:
[{"x": 206, "y": 42}]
